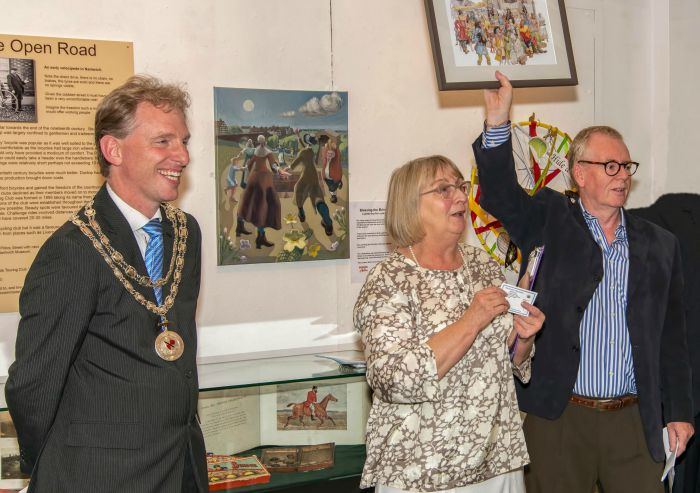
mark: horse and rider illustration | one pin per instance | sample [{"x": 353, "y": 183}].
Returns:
[{"x": 311, "y": 408}]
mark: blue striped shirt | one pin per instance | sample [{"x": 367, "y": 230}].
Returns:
[
  {"x": 606, "y": 368},
  {"x": 495, "y": 136}
]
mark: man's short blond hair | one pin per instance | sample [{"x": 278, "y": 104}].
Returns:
[
  {"x": 580, "y": 143},
  {"x": 402, "y": 220},
  {"x": 115, "y": 113}
]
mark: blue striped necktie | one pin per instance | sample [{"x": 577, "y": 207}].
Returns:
[{"x": 154, "y": 254}]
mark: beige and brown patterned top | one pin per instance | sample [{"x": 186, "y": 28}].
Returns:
[{"x": 426, "y": 434}]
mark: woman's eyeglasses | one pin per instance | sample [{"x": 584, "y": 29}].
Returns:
[
  {"x": 447, "y": 190},
  {"x": 613, "y": 167}
]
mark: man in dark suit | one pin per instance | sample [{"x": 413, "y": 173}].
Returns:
[
  {"x": 679, "y": 213},
  {"x": 611, "y": 362},
  {"x": 16, "y": 85},
  {"x": 103, "y": 391}
]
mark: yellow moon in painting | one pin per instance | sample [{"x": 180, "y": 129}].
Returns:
[{"x": 248, "y": 105}]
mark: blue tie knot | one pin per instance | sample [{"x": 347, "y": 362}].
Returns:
[{"x": 153, "y": 228}]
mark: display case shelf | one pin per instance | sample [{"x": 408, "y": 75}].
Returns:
[{"x": 271, "y": 371}]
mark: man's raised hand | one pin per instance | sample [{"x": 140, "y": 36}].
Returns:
[{"x": 498, "y": 101}]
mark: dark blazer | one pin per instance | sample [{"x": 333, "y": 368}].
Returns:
[
  {"x": 570, "y": 271},
  {"x": 95, "y": 408},
  {"x": 679, "y": 213}
]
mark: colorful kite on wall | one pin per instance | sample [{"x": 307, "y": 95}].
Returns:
[{"x": 539, "y": 152}]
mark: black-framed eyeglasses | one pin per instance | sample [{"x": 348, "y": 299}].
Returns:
[
  {"x": 447, "y": 190},
  {"x": 613, "y": 167}
]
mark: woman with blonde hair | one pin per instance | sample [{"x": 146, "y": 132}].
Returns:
[{"x": 441, "y": 348}]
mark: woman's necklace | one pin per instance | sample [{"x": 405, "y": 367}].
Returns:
[{"x": 463, "y": 290}]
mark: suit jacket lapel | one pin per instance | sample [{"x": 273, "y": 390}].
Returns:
[
  {"x": 639, "y": 249},
  {"x": 168, "y": 236},
  {"x": 596, "y": 258},
  {"x": 115, "y": 226},
  {"x": 578, "y": 215}
]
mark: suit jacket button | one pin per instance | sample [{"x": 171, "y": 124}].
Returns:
[
  {"x": 188, "y": 373},
  {"x": 597, "y": 278},
  {"x": 579, "y": 309},
  {"x": 574, "y": 348}
]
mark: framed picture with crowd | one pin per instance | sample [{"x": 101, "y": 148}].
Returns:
[{"x": 528, "y": 40}]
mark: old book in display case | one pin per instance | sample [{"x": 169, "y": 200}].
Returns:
[
  {"x": 305, "y": 458},
  {"x": 228, "y": 471}
]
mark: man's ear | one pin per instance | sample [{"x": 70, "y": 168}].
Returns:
[
  {"x": 111, "y": 149},
  {"x": 578, "y": 174}
]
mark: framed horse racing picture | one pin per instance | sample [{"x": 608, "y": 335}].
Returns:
[
  {"x": 315, "y": 412},
  {"x": 298, "y": 408},
  {"x": 527, "y": 40}
]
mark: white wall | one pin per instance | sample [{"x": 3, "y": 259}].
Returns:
[
  {"x": 379, "y": 51},
  {"x": 683, "y": 171}
]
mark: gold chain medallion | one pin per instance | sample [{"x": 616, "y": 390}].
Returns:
[
  {"x": 175, "y": 216},
  {"x": 171, "y": 346}
]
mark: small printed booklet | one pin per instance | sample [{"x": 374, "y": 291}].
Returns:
[{"x": 230, "y": 471}]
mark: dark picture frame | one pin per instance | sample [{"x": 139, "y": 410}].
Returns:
[{"x": 528, "y": 40}]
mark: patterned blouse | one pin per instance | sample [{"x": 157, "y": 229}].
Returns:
[{"x": 425, "y": 433}]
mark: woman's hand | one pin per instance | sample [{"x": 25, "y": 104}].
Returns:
[
  {"x": 527, "y": 327},
  {"x": 451, "y": 343},
  {"x": 486, "y": 305}
]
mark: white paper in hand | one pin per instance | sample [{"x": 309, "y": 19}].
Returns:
[
  {"x": 515, "y": 296},
  {"x": 670, "y": 461}
]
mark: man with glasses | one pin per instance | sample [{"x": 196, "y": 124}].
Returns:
[{"x": 611, "y": 364}]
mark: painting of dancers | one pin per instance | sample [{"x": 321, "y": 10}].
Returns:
[{"x": 281, "y": 169}]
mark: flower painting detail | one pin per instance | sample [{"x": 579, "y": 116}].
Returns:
[{"x": 282, "y": 175}]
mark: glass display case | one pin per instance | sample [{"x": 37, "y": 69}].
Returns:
[{"x": 247, "y": 407}]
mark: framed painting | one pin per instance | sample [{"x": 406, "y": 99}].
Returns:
[
  {"x": 282, "y": 161},
  {"x": 313, "y": 412},
  {"x": 527, "y": 40}
]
